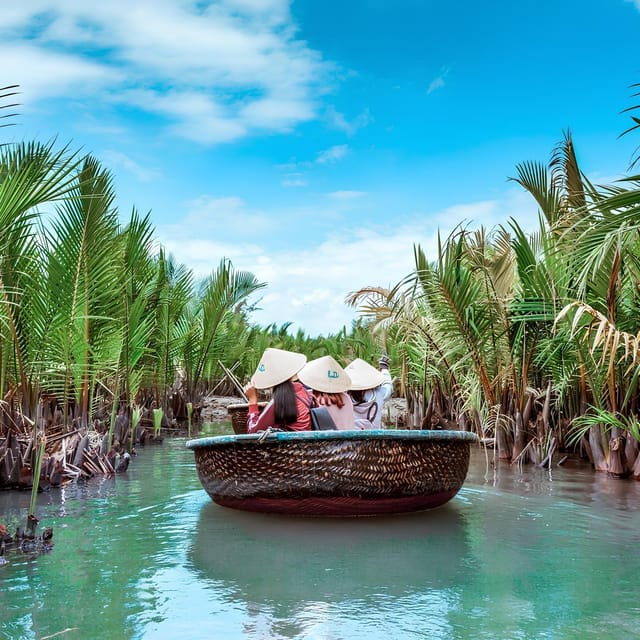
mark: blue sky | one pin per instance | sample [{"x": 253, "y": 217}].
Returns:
[{"x": 314, "y": 142}]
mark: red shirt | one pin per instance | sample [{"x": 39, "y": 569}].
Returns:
[{"x": 257, "y": 421}]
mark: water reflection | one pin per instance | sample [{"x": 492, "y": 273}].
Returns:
[
  {"x": 295, "y": 577},
  {"x": 283, "y": 565},
  {"x": 574, "y": 480}
]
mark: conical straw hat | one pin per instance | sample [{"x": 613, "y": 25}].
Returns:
[
  {"x": 325, "y": 374},
  {"x": 363, "y": 375},
  {"x": 276, "y": 366}
]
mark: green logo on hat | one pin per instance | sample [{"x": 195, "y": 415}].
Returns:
[
  {"x": 261, "y": 368},
  {"x": 332, "y": 374}
]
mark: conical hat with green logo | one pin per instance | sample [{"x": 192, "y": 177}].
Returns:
[
  {"x": 325, "y": 374},
  {"x": 276, "y": 366},
  {"x": 363, "y": 375}
]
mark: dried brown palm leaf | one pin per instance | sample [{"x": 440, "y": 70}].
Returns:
[{"x": 606, "y": 336}]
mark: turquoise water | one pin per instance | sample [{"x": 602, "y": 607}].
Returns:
[{"x": 147, "y": 555}]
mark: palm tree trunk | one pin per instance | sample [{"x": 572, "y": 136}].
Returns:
[
  {"x": 618, "y": 466},
  {"x": 520, "y": 439},
  {"x": 598, "y": 457}
]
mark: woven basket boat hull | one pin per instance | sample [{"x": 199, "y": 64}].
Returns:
[{"x": 334, "y": 473}]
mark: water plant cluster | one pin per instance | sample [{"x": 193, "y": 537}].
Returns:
[
  {"x": 529, "y": 338},
  {"x": 100, "y": 330}
]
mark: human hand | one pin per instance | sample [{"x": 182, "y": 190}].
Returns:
[
  {"x": 383, "y": 363},
  {"x": 252, "y": 394}
]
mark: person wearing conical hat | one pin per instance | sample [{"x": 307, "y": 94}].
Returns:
[
  {"x": 289, "y": 406},
  {"x": 329, "y": 382},
  {"x": 370, "y": 389}
]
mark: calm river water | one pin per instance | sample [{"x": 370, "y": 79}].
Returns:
[{"x": 515, "y": 555}]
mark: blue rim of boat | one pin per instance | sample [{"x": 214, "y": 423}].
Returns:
[{"x": 351, "y": 434}]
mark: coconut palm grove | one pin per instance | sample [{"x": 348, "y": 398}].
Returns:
[{"x": 531, "y": 340}]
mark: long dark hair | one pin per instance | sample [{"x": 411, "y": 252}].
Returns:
[{"x": 285, "y": 404}]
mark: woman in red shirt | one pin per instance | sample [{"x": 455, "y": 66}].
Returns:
[{"x": 289, "y": 407}]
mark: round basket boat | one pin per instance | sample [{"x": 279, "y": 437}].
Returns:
[{"x": 334, "y": 473}]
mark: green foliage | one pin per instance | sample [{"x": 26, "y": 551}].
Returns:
[
  {"x": 157, "y": 421},
  {"x": 7, "y": 92},
  {"x": 31, "y": 176},
  {"x": 83, "y": 272},
  {"x": 494, "y": 318},
  {"x": 87, "y": 304},
  {"x": 489, "y": 322},
  {"x": 604, "y": 420}
]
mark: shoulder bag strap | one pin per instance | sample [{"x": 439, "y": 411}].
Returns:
[{"x": 311, "y": 401}]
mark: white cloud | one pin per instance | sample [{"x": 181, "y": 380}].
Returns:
[
  {"x": 476, "y": 211},
  {"x": 439, "y": 81},
  {"x": 513, "y": 202},
  {"x": 436, "y": 83},
  {"x": 224, "y": 217},
  {"x": 115, "y": 159},
  {"x": 276, "y": 114},
  {"x": 45, "y": 74},
  {"x": 309, "y": 278},
  {"x": 294, "y": 180},
  {"x": 346, "y": 195},
  {"x": 307, "y": 285},
  {"x": 275, "y": 10},
  {"x": 197, "y": 117},
  {"x": 339, "y": 121},
  {"x": 296, "y": 169},
  {"x": 332, "y": 154},
  {"x": 216, "y": 72}
]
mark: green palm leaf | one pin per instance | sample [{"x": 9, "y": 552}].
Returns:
[{"x": 83, "y": 276}]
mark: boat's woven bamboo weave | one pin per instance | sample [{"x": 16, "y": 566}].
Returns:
[{"x": 364, "y": 468}]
